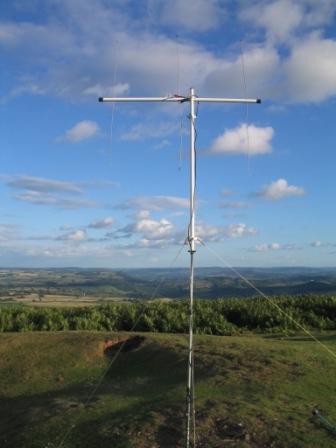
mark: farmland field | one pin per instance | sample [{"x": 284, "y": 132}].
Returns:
[{"x": 84, "y": 286}]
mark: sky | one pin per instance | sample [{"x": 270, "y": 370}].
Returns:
[{"x": 92, "y": 184}]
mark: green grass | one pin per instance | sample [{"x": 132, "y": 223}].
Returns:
[{"x": 251, "y": 391}]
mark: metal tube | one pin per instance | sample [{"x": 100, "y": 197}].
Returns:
[
  {"x": 169, "y": 99},
  {"x": 228, "y": 100},
  {"x": 192, "y": 250}
]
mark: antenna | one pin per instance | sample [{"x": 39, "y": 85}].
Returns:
[{"x": 192, "y": 238}]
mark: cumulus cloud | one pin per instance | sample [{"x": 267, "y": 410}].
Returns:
[
  {"x": 262, "y": 64},
  {"x": 149, "y": 232},
  {"x": 155, "y": 203},
  {"x": 149, "y": 228},
  {"x": 217, "y": 233},
  {"x": 280, "y": 189},
  {"x": 317, "y": 81},
  {"x": 282, "y": 19},
  {"x": 81, "y": 131},
  {"x": 244, "y": 139},
  {"x": 69, "y": 49},
  {"x": 102, "y": 223}
]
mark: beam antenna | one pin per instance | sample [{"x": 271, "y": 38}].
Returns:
[{"x": 190, "y": 441}]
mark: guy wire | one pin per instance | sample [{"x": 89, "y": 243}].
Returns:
[
  {"x": 247, "y": 106},
  {"x": 178, "y": 88},
  {"x": 116, "y": 64},
  {"x": 274, "y": 304},
  {"x": 115, "y": 357}
]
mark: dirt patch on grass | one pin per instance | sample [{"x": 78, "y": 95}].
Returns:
[{"x": 111, "y": 346}]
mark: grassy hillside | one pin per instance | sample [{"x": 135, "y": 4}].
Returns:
[{"x": 251, "y": 391}]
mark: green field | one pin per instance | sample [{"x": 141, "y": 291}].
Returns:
[{"x": 251, "y": 391}]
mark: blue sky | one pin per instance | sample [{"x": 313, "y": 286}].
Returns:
[{"x": 87, "y": 184}]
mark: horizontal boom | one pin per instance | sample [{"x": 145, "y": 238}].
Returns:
[{"x": 177, "y": 99}]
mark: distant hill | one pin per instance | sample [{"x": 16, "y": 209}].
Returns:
[{"x": 211, "y": 282}]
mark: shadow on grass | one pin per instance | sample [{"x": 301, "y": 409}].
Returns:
[{"x": 140, "y": 403}]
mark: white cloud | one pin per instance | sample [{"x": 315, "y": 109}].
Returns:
[
  {"x": 283, "y": 19},
  {"x": 51, "y": 192},
  {"x": 99, "y": 183},
  {"x": 262, "y": 67},
  {"x": 319, "y": 243},
  {"x": 239, "y": 230},
  {"x": 163, "y": 144},
  {"x": 202, "y": 15},
  {"x": 41, "y": 184},
  {"x": 40, "y": 198},
  {"x": 244, "y": 139},
  {"x": 75, "y": 254},
  {"x": 67, "y": 55},
  {"x": 102, "y": 223},
  {"x": 310, "y": 70},
  {"x": 9, "y": 34},
  {"x": 151, "y": 232},
  {"x": 150, "y": 130},
  {"x": 267, "y": 247},
  {"x": 234, "y": 204},
  {"x": 76, "y": 235},
  {"x": 319, "y": 13},
  {"x": 280, "y": 189},
  {"x": 264, "y": 247},
  {"x": 152, "y": 229},
  {"x": 217, "y": 233},
  {"x": 8, "y": 232},
  {"x": 99, "y": 90},
  {"x": 156, "y": 203},
  {"x": 81, "y": 131},
  {"x": 280, "y": 18}
]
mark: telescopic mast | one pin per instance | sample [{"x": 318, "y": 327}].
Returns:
[{"x": 192, "y": 99}]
